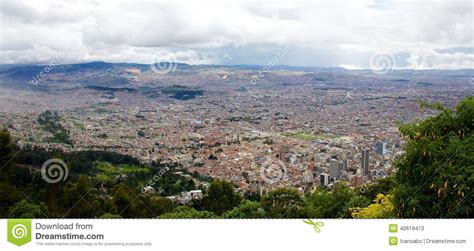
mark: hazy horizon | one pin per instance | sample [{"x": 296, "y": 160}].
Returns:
[{"x": 230, "y": 65}]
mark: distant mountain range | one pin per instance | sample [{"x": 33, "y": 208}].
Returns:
[
  {"x": 100, "y": 65},
  {"x": 132, "y": 74}
]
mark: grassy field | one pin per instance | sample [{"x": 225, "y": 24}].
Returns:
[
  {"x": 307, "y": 136},
  {"x": 106, "y": 168}
]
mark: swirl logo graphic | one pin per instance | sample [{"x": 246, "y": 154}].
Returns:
[
  {"x": 273, "y": 171},
  {"x": 54, "y": 171},
  {"x": 19, "y": 231},
  {"x": 164, "y": 67},
  {"x": 382, "y": 63}
]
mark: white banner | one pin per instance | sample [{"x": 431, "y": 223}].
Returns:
[{"x": 315, "y": 234}]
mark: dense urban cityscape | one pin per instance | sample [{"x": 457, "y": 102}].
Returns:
[{"x": 303, "y": 128}]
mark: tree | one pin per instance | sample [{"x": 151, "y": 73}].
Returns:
[
  {"x": 284, "y": 203},
  {"x": 170, "y": 183},
  {"x": 79, "y": 199},
  {"x": 331, "y": 204},
  {"x": 221, "y": 197},
  {"x": 382, "y": 208},
  {"x": 246, "y": 210},
  {"x": 379, "y": 186},
  {"x": 6, "y": 156},
  {"x": 108, "y": 206},
  {"x": 9, "y": 196},
  {"x": 157, "y": 205},
  {"x": 124, "y": 202},
  {"x": 110, "y": 216},
  {"x": 185, "y": 212},
  {"x": 27, "y": 210},
  {"x": 436, "y": 174},
  {"x": 355, "y": 203}
]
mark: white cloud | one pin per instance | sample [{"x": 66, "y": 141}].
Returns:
[
  {"x": 350, "y": 67},
  {"x": 430, "y": 59},
  {"x": 344, "y": 32}
]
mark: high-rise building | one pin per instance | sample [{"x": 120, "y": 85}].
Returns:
[
  {"x": 308, "y": 176},
  {"x": 380, "y": 147},
  {"x": 340, "y": 164},
  {"x": 324, "y": 179},
  {"x": 365, "y": 162},
  {"x": 334, "y": 168},
  {"x": 345, "y": 164}
]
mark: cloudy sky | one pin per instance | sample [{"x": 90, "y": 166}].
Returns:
[{"x": 416, "y": 34}]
